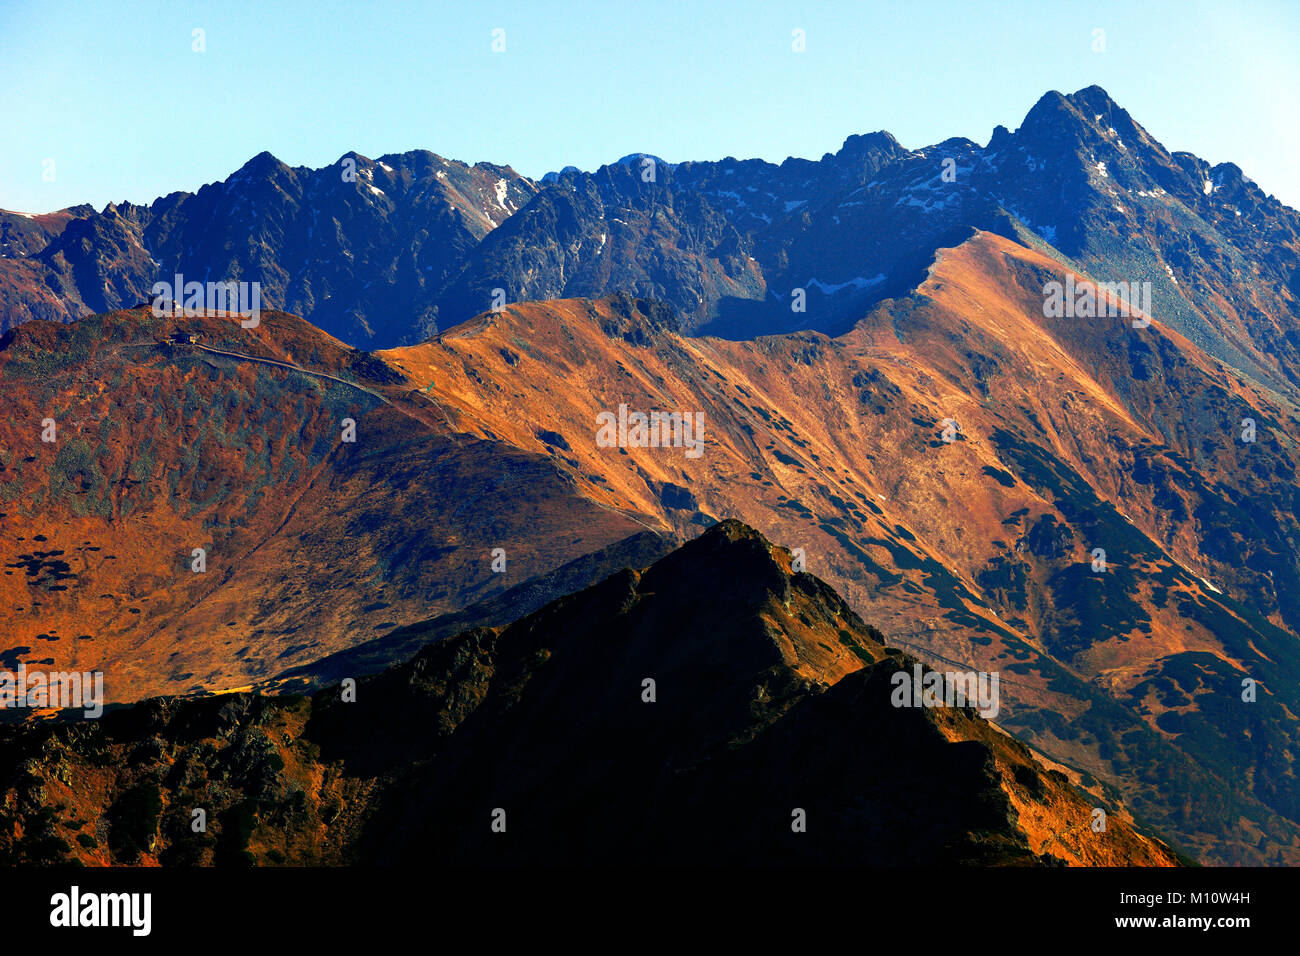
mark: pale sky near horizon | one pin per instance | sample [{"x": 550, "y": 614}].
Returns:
[{"x": 116, "y": 96}]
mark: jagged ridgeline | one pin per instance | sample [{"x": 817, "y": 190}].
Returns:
[{"x": 385, "y": 252}]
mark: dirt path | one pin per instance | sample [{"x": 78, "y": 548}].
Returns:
[{"x": 291, "y": 367}]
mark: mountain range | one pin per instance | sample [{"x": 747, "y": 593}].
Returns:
[
  {"x": 941, "y": 449},
  {"x": 385, "y": 252}
]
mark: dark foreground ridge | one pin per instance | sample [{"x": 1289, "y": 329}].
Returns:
[{"x": 771, "y": 697}]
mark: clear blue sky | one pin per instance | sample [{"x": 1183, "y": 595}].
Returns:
[{"x": 115, "y": 95}]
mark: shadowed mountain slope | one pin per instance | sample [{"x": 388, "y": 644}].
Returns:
[{"x": 770, "y": 740}]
